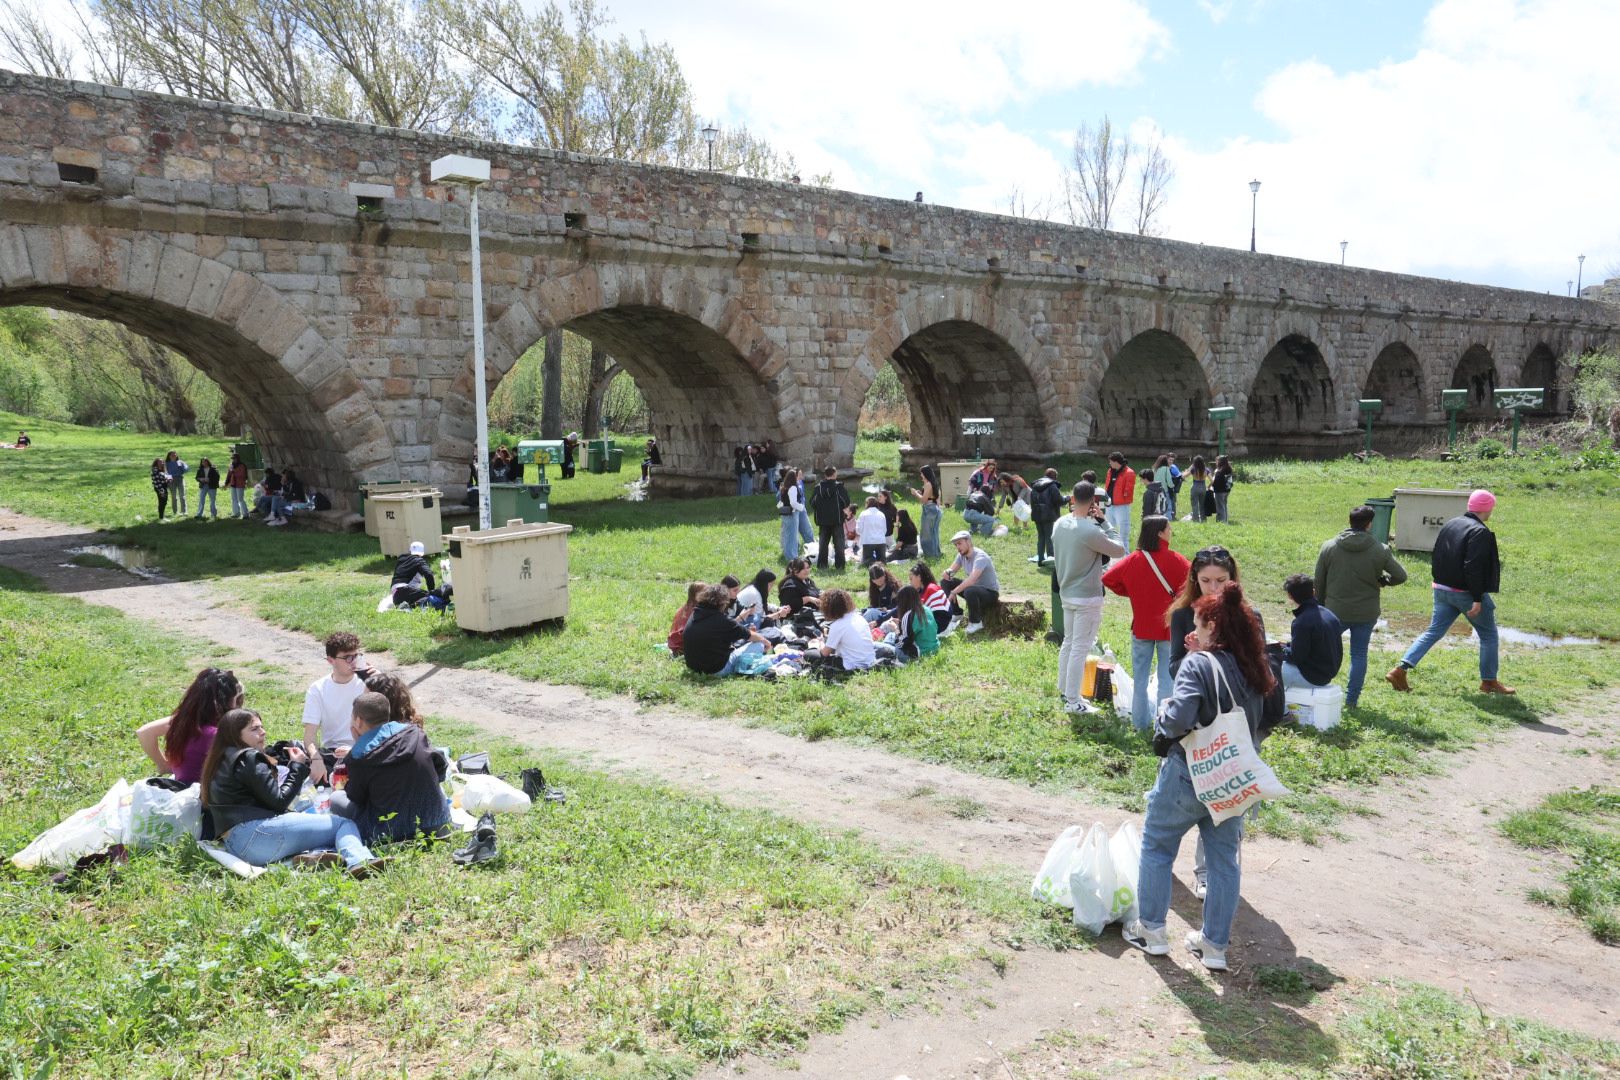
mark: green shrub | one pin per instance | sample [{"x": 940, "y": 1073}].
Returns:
[{"x": 883, "y": 433}]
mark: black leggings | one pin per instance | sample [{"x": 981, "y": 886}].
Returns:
[
  {"x": 163, "y": 501},
  {"x": 1043, "y": 540}
]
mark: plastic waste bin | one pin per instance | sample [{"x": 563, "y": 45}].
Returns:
[
  {"x": 595, "y": 456},
  {"x": 953, "y": 482},
  {"x": 407, "y": 516},
  {"x": 1054, "y": 635},
  {"x": 392, "y": 487},
  {"x": 1382, "y": 510},
  {"x": 1419, "y": 513},
  {"x": 515, "y": 575},
  {"x": 615, "y": 462},
  {"x": 528, "y": 503},
  {"x": 1318, "y": 706}
]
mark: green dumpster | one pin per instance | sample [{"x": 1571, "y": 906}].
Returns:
[
  {"x": 615, "y": 459},
  {"x": 527, "y": 502},
  {"x": 1383, "y": 510},
  {"x": 249, "y": 453},
  {"x": 596, "y": 456}
]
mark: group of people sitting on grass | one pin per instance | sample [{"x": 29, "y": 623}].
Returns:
[
  {"x": 276, "y": 497},
  {"x": 361, "y": 733}
]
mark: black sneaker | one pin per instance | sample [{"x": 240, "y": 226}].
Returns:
[
  {"x": 536, "y": 788},
  {"x": 481, "y": 848}
]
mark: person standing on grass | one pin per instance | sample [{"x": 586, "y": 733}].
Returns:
[
  {"x": 789, "y": 505},
  {"x": 870, "y": 532},
  {"x": 1467, "y": 570},
  {"x": 1149, "y": 577},
  {"x": 1082, "y": 544},
  {"x": 177, "y": 470},
  {"x": 1173, "y": 488},
  {"x": 891, "y": 513},
  {"x": 932, "y": 512},
  {"x": 1200, "y": 486},
  {"x": 236, "y": 478},
  {"x": 1352, "y": 570},
  {"x": 247, "y": 803},
  {"x": 179, "y": 743},
  {"x": 1228, "y": 670},
  {"x": 1221, "y": 486},
  {"x": 1120, "y": 487},
  {"x": 978, "y": 587},
  {"x": 160, "y": 485},
  {"x": 807, "y": 535},
  {"x": 207, "y": 488},
  {"x": 827, "y": 503},
  {"x": 1045, "y": 507},
  {"x": 1315, "y": 651},
  {"x": 329, "y": 702}
]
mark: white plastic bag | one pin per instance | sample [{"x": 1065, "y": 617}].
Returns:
[
  {"x": 159, "y": 817},
  {"x": 1125, "y": 852},
  {"x": 1092, "y": 883},
  {"x": 999, "y": 530},
  {"x": 95, "y": 828},
  {"x": 483, "y": 793},
  {"x": 1123, "y": 686},
  {"x": 1051, "y": 882},
  {"x": 1020, "y": 509}
]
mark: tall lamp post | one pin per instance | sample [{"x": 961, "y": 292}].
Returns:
[
  {"x": 1254, "y": 209},
  {"x": 1343, "y": 244},
  {"x": 1580, "y": 265},
  {"x": 472, "y": 172},
  {"x": 709, "y": 134}
]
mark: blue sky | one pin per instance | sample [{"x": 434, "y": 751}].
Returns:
[{"x": 1474, "y": 139}]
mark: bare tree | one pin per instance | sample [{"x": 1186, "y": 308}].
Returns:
[
  {"x": 26, "y": 41},
  {"x": 1100, "y": 164},
  {"x": 1019, "y": 204},
  {"x": 603, "y": 370},
  {"x": 1153, "y": 176}
]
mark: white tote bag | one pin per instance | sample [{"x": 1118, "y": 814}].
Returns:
[{"x": 1227, "y": 773}]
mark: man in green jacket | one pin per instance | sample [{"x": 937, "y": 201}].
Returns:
[{"x": 1350, "y": 571}]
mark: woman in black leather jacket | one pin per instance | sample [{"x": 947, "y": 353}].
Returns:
[{"x": 248, "y": 800}]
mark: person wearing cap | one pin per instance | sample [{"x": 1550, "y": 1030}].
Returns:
[
  {"x": 978, "y": 587},
  {"x": 413, "y": 579},
  {"x": 1467, "y": 571}
]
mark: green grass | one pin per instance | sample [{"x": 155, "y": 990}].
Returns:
[
  {"x": 631, "y": 932},
  {"x": 987, "y": 706},
  {"x": 1586, "y": 826}
]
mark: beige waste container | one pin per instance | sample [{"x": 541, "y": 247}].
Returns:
[
  {"x": 1419, "y": 513},
  {"x": 953, "y": 479},
  {"x": 403, "y": 517},
  {"x": 515, "y": 575},
  {"x": 368, "y": 491}
]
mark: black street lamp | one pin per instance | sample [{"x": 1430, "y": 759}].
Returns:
[
  {"x": 1254, "y": 208},
  {"x": 709, "y": 134},
  {"x": 1580, "y": 265}
]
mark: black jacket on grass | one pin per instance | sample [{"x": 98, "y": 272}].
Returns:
[{"x": 1465, "y": 557}]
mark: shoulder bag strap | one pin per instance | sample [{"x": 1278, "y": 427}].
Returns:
[{"x": 1148, "y": 555}]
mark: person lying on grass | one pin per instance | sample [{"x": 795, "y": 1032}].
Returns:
[
  {"x": 247, "y": 804},
  {"x": 393, "y": 791},
  {"x": 714, "y": 643}
]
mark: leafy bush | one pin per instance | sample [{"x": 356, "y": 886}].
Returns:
[
  {"x": 1596, "y": 393},
  {"x": 1489, "y": 449},
  {"x": 884, "y": 433}
]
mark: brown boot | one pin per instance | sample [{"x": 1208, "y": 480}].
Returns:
[
  {"x": 1491, "y": 686},
  {"x": 1397, "y": 679}
]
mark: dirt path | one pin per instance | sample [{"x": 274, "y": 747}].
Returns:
[{"x": 1425, "y": 891}]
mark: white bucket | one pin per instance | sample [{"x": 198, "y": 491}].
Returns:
[{"x": 1318, "y": 707}]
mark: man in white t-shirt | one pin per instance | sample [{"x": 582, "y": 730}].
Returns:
[
  {"x": 872, "y": 533},
  {"x": 329, "y": 702}
]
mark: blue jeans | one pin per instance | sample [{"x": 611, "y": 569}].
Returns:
[
  {"x": 1172, "y": 809},
  {"x": 745, "y": 483},
  {"x": 1447, "y": 606},
  {"x": 208, "y": 497},
  {"x": 1360, "y": 635},
  {"x": 239, "y": 506},
  {"x": 1198, "y": 490},
  {"x": 978, "y": 519},
  {"x": 1142, "y": 661},
  {"x": 1119, "y": 516},
  {"x": 770, "y": 479},
  {"x": 790, "y": 536},
  {"x": 1220, "y": 506},
  {"x": 932, "y": 514},
  {"x": 272, "y": 839},
  {"x": 1294, "y": 679},
  {"x": 1169, "y": 504},
  {"x": 806, "y": 532},
  {"x": 752, "y": 647}
]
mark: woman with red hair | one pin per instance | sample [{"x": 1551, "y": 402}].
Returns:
[{"x": 1227, "y": 670}]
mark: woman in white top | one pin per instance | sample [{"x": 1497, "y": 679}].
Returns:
[
  {"x": 754, "y": 600},
  {"x": 789, "y": 505},
  {"x": 849, "y": 637}
]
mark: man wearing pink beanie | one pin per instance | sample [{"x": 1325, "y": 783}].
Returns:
[{"x": 1466, "y": 572}]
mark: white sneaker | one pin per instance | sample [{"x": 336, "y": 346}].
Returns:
[
  {"x": 276, "y": 521},
  {"x": 1152, "y": 942},
  {"x": 1079, "y": 708},
  {"x": 973, "y": 628},
  {"x": 948, "y": 631},
  {"x": 1200, "y": 883},
  {"x": 1212, "y": 958}
]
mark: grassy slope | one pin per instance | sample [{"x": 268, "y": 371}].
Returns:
[
  {"x": 629, "y": 932},
  {"x": 987, "y": 706}
]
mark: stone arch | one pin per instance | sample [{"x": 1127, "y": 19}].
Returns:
[
  {"x": 305, "y": 404},
  {"x": 958, "y": 354},
  {"x": 711, "y": 376},
  {"x": 1133, "y": 330},
  {"x": 1476, "y": 373},
  {"x": 1154, "y": 395},
  {"x": 1293, "y": 393},
  {"x": 1396, "y": 378},
  {"x": 1541, "y": 368}
]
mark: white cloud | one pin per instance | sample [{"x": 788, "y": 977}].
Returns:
[{"x": 1485, "y": 154}]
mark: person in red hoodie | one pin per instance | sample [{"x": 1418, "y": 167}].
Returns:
[
  {"x": 683, "y": 615},
  {"x": 1120, "y": 487},
  {"x": 1149, "y": 577}
]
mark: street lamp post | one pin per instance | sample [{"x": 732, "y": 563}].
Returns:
[
  {"x": 709, "y": 134},
  {"x": 1343, "y": 244},
  {"x": 1569, "y": 288},
  {"x": 1580, "y": 265},
  {"x": 1254, "y": 209},
  {"x": 472, "y": 172}
]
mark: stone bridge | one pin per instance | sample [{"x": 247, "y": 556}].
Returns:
[{"x": 311, "y": 269}]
